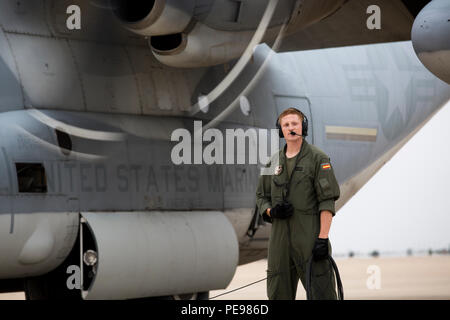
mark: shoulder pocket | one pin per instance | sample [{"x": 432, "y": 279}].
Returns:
[{"x": 325, "y": 187}]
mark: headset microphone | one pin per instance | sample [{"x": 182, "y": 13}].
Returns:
[{"x": 295, "y": 134}]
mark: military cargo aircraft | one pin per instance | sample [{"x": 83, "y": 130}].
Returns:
[{"x": 92, "y": 203}]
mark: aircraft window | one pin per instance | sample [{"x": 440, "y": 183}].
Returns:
[
  {"x": 64, "y": 141},
  {"x": 31, "y": 178}
]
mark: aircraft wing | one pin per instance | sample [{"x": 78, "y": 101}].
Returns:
[
  {"x": 163, "y": 57},
  {"x": 212, "y": 32},
  {"x": 348, "y": 25}
]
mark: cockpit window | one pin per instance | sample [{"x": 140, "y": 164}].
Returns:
[{"x": 31, "y": 178}]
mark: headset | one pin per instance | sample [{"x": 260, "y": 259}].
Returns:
[{"x": 304, "y": 124}]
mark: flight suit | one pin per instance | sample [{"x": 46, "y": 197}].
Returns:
[{"x": 311, "y": 188}]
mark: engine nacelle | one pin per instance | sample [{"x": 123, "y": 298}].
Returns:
[
  {"x": 147, "y": 254},
  {"x": 154, "y": 17},
  {"x": 182, "y": 39},
  {"x": 203, "y": 46},
  {"x": 431, "y": 38}
]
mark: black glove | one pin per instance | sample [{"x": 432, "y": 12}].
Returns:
[
  {"x": 320, "y": 250},
  {"x": 282, "y": 211}
]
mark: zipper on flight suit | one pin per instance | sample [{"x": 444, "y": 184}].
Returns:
[{"x": 286, "y": 196}]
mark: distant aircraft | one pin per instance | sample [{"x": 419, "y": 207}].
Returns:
[{"x": 92, "y": 205}]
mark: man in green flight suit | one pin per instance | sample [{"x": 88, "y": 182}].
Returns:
[{"x": 298, "y": 199}]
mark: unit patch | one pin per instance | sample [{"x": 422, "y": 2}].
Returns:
[{"x": 278, "y": 170}]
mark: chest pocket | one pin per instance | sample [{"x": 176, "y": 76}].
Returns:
[
  {"x": 278, "y": 189},
  {"x": 302, "y": 194}
]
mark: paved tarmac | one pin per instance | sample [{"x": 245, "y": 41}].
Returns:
[{"x": 372, "y": 278}]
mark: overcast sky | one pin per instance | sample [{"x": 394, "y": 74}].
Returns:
[{"x": 407, "y": 203}]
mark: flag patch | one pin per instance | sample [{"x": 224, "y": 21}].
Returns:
[{"x": 326, "y": 166}]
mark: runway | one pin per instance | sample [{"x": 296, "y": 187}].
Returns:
[
  {"x": 399, "y": 278},
  {"x": 372, "y": 278}
]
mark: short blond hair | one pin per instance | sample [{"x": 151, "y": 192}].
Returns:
[{"x": 290, "y": 111}]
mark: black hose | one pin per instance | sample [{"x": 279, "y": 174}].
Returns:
[{"x": 309, "y": 272}]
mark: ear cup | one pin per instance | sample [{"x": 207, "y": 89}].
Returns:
[
  {"x": 305, "y": 126},
  {"x": 280, "y": 132}
]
